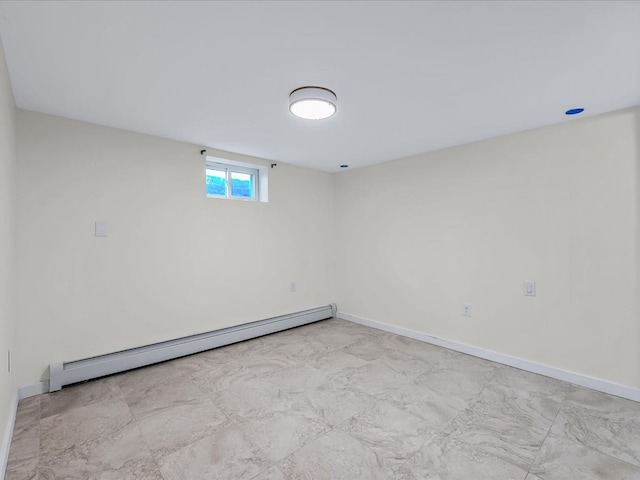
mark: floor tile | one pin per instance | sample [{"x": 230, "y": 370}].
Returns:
[
  {"x": 166, "y": 386},
  {"x": 79, "y": 395},
  {"x": 604, "y": 422},
  {"x": 506, "y": 422},
  {"x": 276, "y": 353},
  {"x": 272, "y": 473},
  {"x": 173, "y": 428},
  {"x": 298, "y": 348},
  {"x": 538, "y": 385},
  {"x": 444, "y": 458},
  {"x": 82, "y": 425},
  {"x": 403, "y": 363},
  {"x": 248, "y": 397},
  {"x": 430, "y": 405},
  {"x": 263, "y": 364},
  {"x": 459, "y": 376},
  {"x": 392, "y": 433},
  {"x": 374, "y": 378},
  {"x": 336, "y": 402},
  {"x": 28, "y": 413},
  {"x": 337, "y": 336},
  {"x": 335, "y": 455},
  {"x": 366, "y": 350},
  {"x": 228, "y": 454},
  {"x": 337, "y": 363},
  {"x": 430, "y": 354},
  {"x": 561, "y": 458},
  {"x": 141, "y": 469},
  {"x": 282, "y": 432},
  {"x": 95, "y": 441},
  {"x": 213, "y": 380},
  {"x": 19, "y": 474},
  {"x": 527, "y": 404},
  {"x": 24, "y": 454},
  {"x": 296, "y": 379}
]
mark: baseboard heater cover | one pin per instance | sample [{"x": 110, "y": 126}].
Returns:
[{"x": 66, "y": 373}]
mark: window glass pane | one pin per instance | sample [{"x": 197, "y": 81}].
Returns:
[
  {"x": 242, "y": 185},
  {"x": 216, "y": 182}
]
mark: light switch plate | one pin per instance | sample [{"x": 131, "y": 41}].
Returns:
[
  {"x": 529, "y": 288},
  {"x": 101, "y": 229}
]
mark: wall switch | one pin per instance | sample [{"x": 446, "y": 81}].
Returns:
[
  {"x": 529, "y": 288},
  {"x": 293, "y": 285},
  {"x": 466, "y": 309},
  {"x": 101, "y": 229}
]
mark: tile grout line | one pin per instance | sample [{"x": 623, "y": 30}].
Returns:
[
  {"x": 337, "y": 427},
  {"x": 577, "y": 442},
  {"x": 134, "y": 419},
  {"x": 262, "y": 471},
  {"x": 535, "y": 458},
  {"x": 441, "y": 429},
  {"x": 231, "y": 420},
  {"x": 330, "y": 428},
  {"x": 261, "y": 376}
]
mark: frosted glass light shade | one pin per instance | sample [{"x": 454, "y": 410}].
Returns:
[{"x": 312, "y": 103}]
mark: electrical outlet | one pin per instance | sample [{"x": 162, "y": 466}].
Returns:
[
  {"x": 466, "y": 309},
  {"x": 293, "y": 285}
]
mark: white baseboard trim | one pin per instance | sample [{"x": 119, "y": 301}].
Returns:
[
  {"x": 8, "y": 433},
  {"x": 528, "y": 365},
  {"x": 33, "y": 390}
]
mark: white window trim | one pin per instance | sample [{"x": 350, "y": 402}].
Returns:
[{"x": 261, "y": 173}]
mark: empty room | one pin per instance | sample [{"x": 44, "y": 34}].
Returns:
[{"x": 322, "y": 240}]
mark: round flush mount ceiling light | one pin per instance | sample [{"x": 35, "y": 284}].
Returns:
[{"x": 312, "y": 103}]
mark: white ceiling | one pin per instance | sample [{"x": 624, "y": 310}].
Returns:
[{"x": 410, "y": 76}]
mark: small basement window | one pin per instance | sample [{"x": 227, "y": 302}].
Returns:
[{"x": 235, "y": 180}]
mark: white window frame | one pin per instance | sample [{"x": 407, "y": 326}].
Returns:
[{"x": 259, "y": 172}]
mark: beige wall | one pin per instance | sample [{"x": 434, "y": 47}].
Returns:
[
  {"x": 7, "y": 238},
  {"x": 175, "y": 262},
  {"x": 418, "y": 237},
  {"x": 413, "y": 238}
]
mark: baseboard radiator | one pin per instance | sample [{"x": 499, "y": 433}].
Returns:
[{"x": 66, "y": 373}]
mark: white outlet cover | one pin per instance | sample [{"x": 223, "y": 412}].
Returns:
[{"x": 466, "y": 309}]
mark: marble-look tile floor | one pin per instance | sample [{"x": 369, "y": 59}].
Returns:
[{"x": 332, "y": 400}]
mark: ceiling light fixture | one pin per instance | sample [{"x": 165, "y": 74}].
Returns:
[{"x": 312, "y": 103}]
